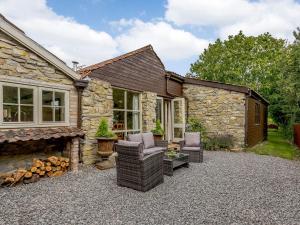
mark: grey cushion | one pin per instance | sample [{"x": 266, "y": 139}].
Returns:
[
  {"x": 149, "y": 151},
  {"x": 192, "y": 139},
  {"x": 148, "y": 140},
  {"x": 191, "y": 148},
  {"x": 135, "y": 137}
]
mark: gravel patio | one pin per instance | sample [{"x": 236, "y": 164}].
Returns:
[{"x": 228, "y": 188}]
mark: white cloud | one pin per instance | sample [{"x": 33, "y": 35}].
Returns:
[
  {"x": 279, "y": 17},
  {"x": 61, "y": 35},
  {"x": 170, "y": 43}
]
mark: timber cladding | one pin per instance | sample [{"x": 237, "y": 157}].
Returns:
[
  {"x": 142, "y": 71},
  {"x": 256, "y": 122}
]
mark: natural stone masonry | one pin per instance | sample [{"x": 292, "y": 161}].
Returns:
[
  {"x": 221, "y": 111},
  {"x": 97, "y": 102},
  {"x": 19, "y": 62},
  {"x": 148, "y": 110}
]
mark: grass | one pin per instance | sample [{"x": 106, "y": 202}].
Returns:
[{"x": 277, "y": 146}]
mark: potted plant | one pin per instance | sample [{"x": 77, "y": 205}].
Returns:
[
  {"x": 105, "y": 138},
  {"x": 158, "y": 131}
]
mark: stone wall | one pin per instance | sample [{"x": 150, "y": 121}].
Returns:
[
  {"x": 221, "y": 111},
  {"x": 19, "y": 64},
  {"x": 148, "y": 111},
  {"x": 97, "y": 102}
]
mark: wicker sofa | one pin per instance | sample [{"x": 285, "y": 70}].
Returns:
[
  {"x": 149, "y": 144},
  {"x": 136, "y": 170},
  {"x": 192, "y": 145}
]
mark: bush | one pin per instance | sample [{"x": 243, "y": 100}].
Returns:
[
  {"x": 103, "y": 130},
  {"x": 158, "y": 130},
  {"x": 219, "y": 142},
  {"x": 195, "y": 125}
]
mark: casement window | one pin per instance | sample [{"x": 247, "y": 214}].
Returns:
[
  {"x": 257, "y": 114},
  {"x": 32, "y": 106},
  {"x": 53, "y": 106},
  {"x": 126, "y": 112}
]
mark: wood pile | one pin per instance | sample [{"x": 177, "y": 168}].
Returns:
[{"x": 53, "y": 166}]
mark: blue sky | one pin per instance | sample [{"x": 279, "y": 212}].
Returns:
[{"x": 91, "y": 31}]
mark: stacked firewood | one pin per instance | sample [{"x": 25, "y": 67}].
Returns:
[{"x": 50, "y": 167}]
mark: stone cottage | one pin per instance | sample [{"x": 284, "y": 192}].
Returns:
[
  {"x": 39, "y": 101},
  {"x": 134, "y": 90}
]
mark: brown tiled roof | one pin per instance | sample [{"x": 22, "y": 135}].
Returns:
[
  {"x": 13, "y": 135},
  {"x": 86, "y": 70}
]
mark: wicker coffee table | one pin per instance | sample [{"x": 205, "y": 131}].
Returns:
[{"x": 171, "y": 163}]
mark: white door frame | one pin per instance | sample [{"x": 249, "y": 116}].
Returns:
[{"x": 178, "y": 125}]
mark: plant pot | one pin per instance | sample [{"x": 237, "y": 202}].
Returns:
[
  {"x": 158, "y": 137},
  {"x": 105, "y": 146}
]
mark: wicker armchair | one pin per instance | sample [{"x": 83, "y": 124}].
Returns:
[
  {"x": 136, "y": 171},
  {"x": 192, "y": 145}
]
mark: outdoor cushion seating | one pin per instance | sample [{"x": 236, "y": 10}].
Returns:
[
  {"x": 192, "y": 145},
  {"x": 136, "y": 171},
  {"x": 149, "y": 144}
]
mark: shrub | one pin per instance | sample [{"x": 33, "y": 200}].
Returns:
[
  {"x": 103, "y": 130},
  {"x": 195, "y": 125},
  {"x": 219, "y": 141},
  {"x": 158, "y": 130}
]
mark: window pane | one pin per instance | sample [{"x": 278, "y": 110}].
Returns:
[
  {"x": 10, "y": 113},
  {"x": 118, "y": 97},
  {"x": 119, "y": 120},
  {"x": 59, "y": 99},
  {"x": 59, "y": 114},
  {"x": 178, "y": 133},
  {"x": 133, "y": 121},
  {"x": 158, "y": 109},
  {"x": 132, "y": 101},
  {"x": 47, "y": 97},
  {"x": 27, "y": 113},
  {"x": 47, "y": 114},
  {"x": 26, "y": 95},
  {"x": 10, "y": 94},
  {"x": 178, "y": 115}
]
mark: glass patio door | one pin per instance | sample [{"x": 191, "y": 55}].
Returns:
[{"x": 178, "y": 116}]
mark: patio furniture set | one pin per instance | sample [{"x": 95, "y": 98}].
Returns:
[{"x": 142, "y": 161}]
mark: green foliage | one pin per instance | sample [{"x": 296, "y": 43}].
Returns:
[
  {"x": 195, "y": 125},
  {"x": 158, "y": 130},
  {"x": 242, "y": 60},
  {"x": 219, "y": 142},
  {"x": 103, "y": 130},
  {"x": 277, "y": 146}
]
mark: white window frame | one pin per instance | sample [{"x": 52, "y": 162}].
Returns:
[
  {"x": 162, "y": 110},
  {"x": 67, "y": 108},
  {"x": 178, "y": 125},
  {"x": 37, "y": 107},
  {"x": 125, "y": 110}
]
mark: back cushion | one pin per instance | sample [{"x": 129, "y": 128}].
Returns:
[
  {"x": 192, "y": 139},
  {"x": 135, "y": 138},
  {"x": 148, "y": 140}
]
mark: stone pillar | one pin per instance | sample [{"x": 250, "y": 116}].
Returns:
[
  {"x": 75, "y": 154},
  {"x": 148, "y": 111}
]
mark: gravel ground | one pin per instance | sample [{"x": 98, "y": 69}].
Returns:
[{"x": 228, "y": 188}]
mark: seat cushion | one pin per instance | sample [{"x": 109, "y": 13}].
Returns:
[
  {"x": 149, "y": 151},
  {"x": 148, "y": 140},
  {"x": 192, "y": 139},
  {"x": 135, "y": 138},
  {"x": 191, "y": 148}
]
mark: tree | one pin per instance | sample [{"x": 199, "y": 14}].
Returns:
[{"x": 244, "y": 60}]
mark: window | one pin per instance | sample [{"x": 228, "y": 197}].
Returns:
[
  {"x": 53, "y": 106},
  {"x": 126, "y": 112},
  {"x": 18, "y": 104},
  {"x": 159, "y": 110},
  {"x": 28, "y": 105},
  {"x": 257, "y": 113}
]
